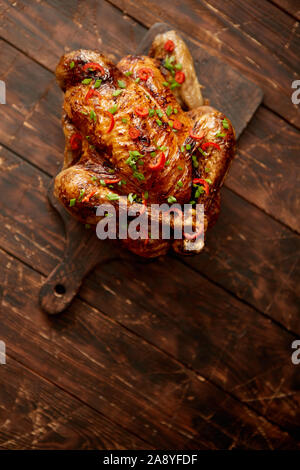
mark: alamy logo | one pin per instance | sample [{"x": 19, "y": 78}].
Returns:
[
  {"x": 2, "y": 353},
  {"x": 296, "y": 94},
  {"x": 2, "y": 92},
  {"x": 296, "y": 355}
]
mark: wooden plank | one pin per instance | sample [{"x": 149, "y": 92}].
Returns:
[
  {"x": 33, "y": 28},
  {"x": 177, "y": 309},
  {"x": 122, "y": 376},
  {"x": 231, "y": 42},
  {"x": 35, "y": 414},
  {"x": 31, "y": 127},
  {"x": 290, "y": 6}
]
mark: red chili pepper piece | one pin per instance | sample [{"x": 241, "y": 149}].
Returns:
[
  {"x": 160, "y": 163},
  {"x": 141, "y": 111},
  {"x": 144, "y": 73},
  {"x": 169, "y": 46},
  {"x": 179, "y": 77},
  {"x": 112, "y": 122},
  {"x": 195, "y": 136},
  {"x": 203, "y": 182},
  {"x": 112, "y": 181},
  {"x": 177, "y": 124},
  {"x": 134, "y": 133},
  {"x": 210, "y": 144},
  {"x": 91, "y": 93},
  {"x": 75, "y": 141},
  {"x": 94, "y": 66},
  {"x": 88, "y": 197}
]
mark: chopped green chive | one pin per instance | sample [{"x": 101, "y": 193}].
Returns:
[
  {"x": 207, "y": 170},
  {"x": 153, "y": 154},
  {"x": 158, "y": 122},
  {"x": 93, "y": 115},
  {"x": 94, "y": 178},
  {"x": 102, "y": 182},
  {"x": 72, "y": 64},
  {"x": 131, "y": 197},
  {"x": 151, "y": 112},
  {"x": 84, "y": 112},
  {"x": 180, "y": 184},
  {"x": 167, "y": 163},
  {"x": 128, "y": 73},
  {"x": 165, "y": 83},
  {"x": 182, "y": 148},
  {"x": 180, "y": 168},
  {"x": 171, "y": 199},
  {"x": 175, "y": 111},
  {"x": 195, "y": 161},
  {"x": 86, "y": 81},
  {"x": 112, "y": 197},
  {"x": 72, "y": 202},
  {"x": 113, "y": 109},
  {"x": 202, "y": 152},
  {"x": 81, "y": 195},
  {"x": 170, "y": 123},
  {"x": 178, "y": 66},
  {"x": 138, "y": 176},
  {"x": 97, "y": 83},
  {"x": 174, "y": 85},
  {"x": 188, "y": 146},
  {"x": 225, "y": 123},
  {"x": 169, "y": 110},
  {"x": 219, "y": 134},
  {"x": 117, "y": 92},
  {"x": 121, "y": 84},
  {"x": 159, "y": 113},
  {"x": 137, "y": 80},
  {"x": 124, "y": 120}
]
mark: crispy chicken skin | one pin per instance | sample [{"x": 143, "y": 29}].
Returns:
[
  {"x": 189, "y": 94},
  {"x": 102, "y": 104}
]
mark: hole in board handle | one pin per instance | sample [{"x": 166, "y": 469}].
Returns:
[{"x": 59, "y": 290}]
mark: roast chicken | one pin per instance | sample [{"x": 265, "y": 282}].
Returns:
[{"x": 139, "y": 129}]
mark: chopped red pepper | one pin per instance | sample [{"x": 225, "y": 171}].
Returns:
[
  {"x": 88, "y": 197},
  {"x": 177, "y": 124},
  {"x": 94, "y": 66},
  {"x": 112, "y": 181},
  {"x": 144, "y": 73},
  {"x": 75, "y": 141},
  {"x": 91, "y": 93},
  {"x": 160, "y": 163},
  {"x": 134, "y": 133},
  {"x": 179, "y": 77},
  {"x": 210, "y": 144},
  {"x": 203, "y": 183},
  {"x": 112, "y": 122},
  {"x": 195, "y": 136},
  {"x": 141, "y": 111},
  {"x": 169, "y": 46}
]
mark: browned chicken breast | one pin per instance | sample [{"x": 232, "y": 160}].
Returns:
[{"x": 126, "y": 135}]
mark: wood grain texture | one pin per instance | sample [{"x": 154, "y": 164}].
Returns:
[
  {"x": 267, "y": 61},
  {"x": 215, "y": 337},
  {"x": 39, "y": 136},
  {"x": 122, "y": 377},
  {"x": 183, "y": 353},
  {"x": 30, "y": 417},
  {"x": 290, "y": 6}
]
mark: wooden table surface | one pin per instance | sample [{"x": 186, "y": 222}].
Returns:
[{"x": 177, "y": 353}]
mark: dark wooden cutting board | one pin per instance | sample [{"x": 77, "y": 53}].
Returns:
[{"x": 227, "y": 90}]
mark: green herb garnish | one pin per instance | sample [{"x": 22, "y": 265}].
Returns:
[{"x": 86, "y": 81}]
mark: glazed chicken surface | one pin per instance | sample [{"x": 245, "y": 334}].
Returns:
[{"x": 127, "y": 135}]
